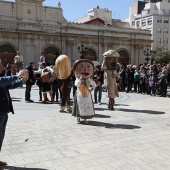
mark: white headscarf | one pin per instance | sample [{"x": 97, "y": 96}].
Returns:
[{"x": 109, "y": 53}]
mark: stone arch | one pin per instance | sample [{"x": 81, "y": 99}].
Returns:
[
  {"x": 90, "y": 54},
  {"x": 51, "y": 53},
  {"x": 7, "y": 53},
  {"x": 124, "y": 56}
]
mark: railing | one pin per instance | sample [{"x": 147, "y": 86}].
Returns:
[{"x": 151, "y": 13}]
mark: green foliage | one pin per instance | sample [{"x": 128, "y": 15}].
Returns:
[{"x": 160, "y": 55}]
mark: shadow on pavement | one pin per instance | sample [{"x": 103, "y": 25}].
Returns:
[
  {"x": 141, "y": 111},
  {"x": 19, "y": 168},
  {"x": 40, "y": 102},
  {"x": 112, "y": 126},
  {"x": 16, "y": 99},
  {"x": 116, "y": 104},
  {"x": 100, "y": 109},
  {"x": 121, "y": 105},
  {"x": 101, "y": 116}
]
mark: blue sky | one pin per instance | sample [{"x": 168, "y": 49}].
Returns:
[{"x": 74, "y": 9}]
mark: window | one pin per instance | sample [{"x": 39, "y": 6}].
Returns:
[
  {"x": 166, "y": 20},
  {"x": 149, "y": 21},
  {"x": 165, "y": 43},
  {"x": 143, "y": 22},
  {"x": 158, "y": 42},
  {"x": 165, "y": 31},
  {"x": 138, "y": 23},
  {"x": 133, "y": 22},
  {"x": 165, "y": 40},
  {"x": 159, "y": 30},
  {"x": 159, "y": 20}
]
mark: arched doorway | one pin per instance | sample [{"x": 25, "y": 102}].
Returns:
[
  {"x": 51, "y": 53},
  {"x": 7, "y": 54},
  {"x": 90, "y": 54},
  {"x": 124, "y": 56}
]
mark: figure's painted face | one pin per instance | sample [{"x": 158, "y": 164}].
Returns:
[
  {"x": 110, "y": 61},
  {"x": 84, "y": 69}
]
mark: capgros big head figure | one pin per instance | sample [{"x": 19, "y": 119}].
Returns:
[
  {"x": 83, "y": 68},
  {"x": 63, "y": 67},
  {"x": 110, "y": 60}
]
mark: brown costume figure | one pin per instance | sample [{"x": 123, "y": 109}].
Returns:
[
  {"x": 63, "y": 72},
  {"x": 83, "y": 104},
  {"x": 110, "y": 75},
  {"x": 48, "y": 76}
]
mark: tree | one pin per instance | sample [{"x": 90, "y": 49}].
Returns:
[{"x": 160, "y": 55}]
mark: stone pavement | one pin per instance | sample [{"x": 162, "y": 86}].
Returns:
[{"x": 136, "y": 136}]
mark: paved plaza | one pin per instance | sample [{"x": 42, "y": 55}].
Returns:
[{"x": 136, "y": 136}]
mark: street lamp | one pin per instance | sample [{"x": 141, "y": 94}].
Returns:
[
  {"x": 82, "y": 50},
  {"x": 147, "y": 53}
]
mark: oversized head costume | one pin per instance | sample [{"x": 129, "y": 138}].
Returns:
[
  {"x": 110, "y": 59},
  {"x": 63, "y": 72},
  {"x": 83, "y": 105},
  {"x": 110, "y": 75},
  {"x": 48, "y": 75},
  {"x": 83, "y": 68}
]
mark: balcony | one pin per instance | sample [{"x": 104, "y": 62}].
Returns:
[{"x": 148, "y": 13}]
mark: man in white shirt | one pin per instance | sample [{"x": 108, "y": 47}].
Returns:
[
  {"x": 18, "y": 60},
  {"x": 42, "y": 57}
]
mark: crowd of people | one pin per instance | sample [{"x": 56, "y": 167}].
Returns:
[{"x": 151, "y": 79}]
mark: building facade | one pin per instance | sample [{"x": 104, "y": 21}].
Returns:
[
  {"x": 28, "y": 26},
  {"x": 156, "y": 18}
]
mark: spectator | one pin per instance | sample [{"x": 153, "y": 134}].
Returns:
[
  {"x": 39, "y": 83},
  {"x": 163, "y": 81},
  {"x": 8, "y": 69},
  {"x": 42, "y": 57},
  {"x": 30, "y": 82},
  {"x": 18, "y": 60},
  {"x": 142, "y": 81},
  {"x": 14, "y": 69},
  {"x": 136, "y": 81},
  {"x": 6, "y": 83},
  {"x": 122, "y": 78},
  {"x": 55, "y": 88},
  {"x": 168, "y": 75},
  {"x": 98, "y": 78},
  {"x": 152, "y": 84},
  {"x": 129, "y": 79}
]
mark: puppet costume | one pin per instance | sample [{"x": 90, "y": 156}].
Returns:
[
  {"x": 48, "y": 76},
  {"x": 110, "y": 76},
  {"x": 63, "y": 72},
  {"x": 83, "y": 105}
]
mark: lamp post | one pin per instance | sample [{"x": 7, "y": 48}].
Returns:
[
  {"x": 81, "y": 49},
  {"x": 147, "y": 53}
]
